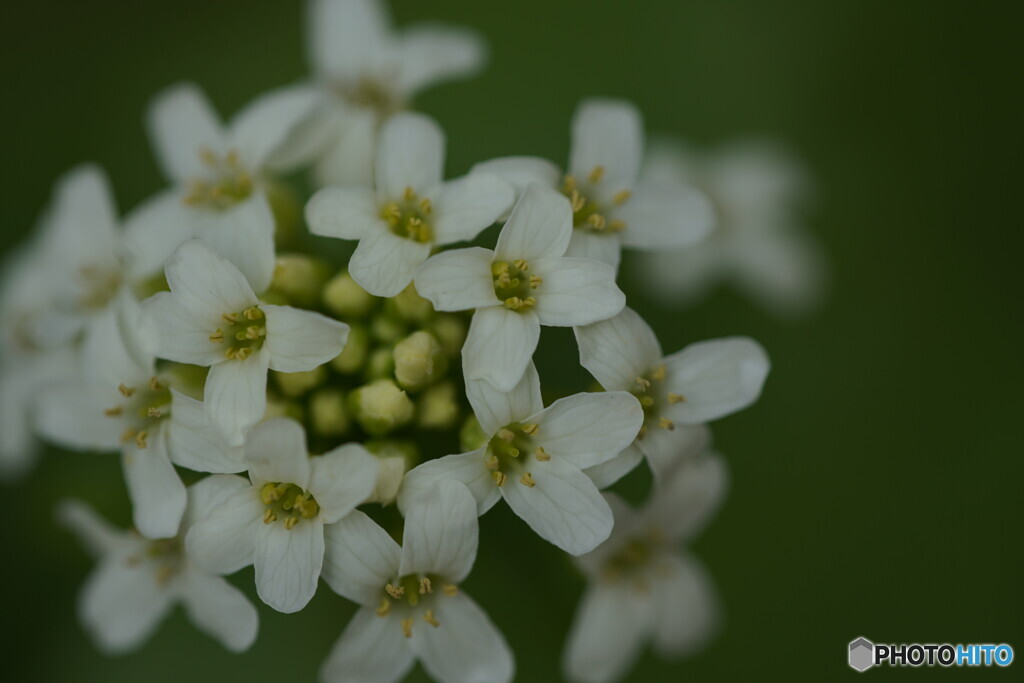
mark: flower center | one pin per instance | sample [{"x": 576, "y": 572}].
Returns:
[
  {"x": 142, "y": 409},
  {"x": 227, "y": 182},
  {"x": 288, "y": 503},
  {"x": 164, "y": 556},
  {"x": 370, "y": 93},
  {"x": 243, "y": 333},
  {"x": 508, "y": 450},
  {"x": 98, "y": 286},
  {"x": 587, "y": 213},
  {"x": 650, "y": 391},
  {"x": 513, "y": 286},
  {"x": 634, "y": 557},
  {"x": 413, "y": 595},
  {"x": 410, "y": 217}
]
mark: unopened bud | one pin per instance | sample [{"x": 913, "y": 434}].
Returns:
[
  {"x": 295, "y": 384},
  {"x": 327, "y": 412},
  {"x": 353, "y": 356},
  {"x": 299, "y": 279},
  {"x": 438, "y": 407},
  {"x": 410, "y": 306},
  {"x": 382, "y": 406},
  {"x": 386, "y": 329},
  {"x": 380, "y": 364},
  {"x": 344, "y": 297},
  {"x": 450, "y": 330},
  {"x": 472, "y": 435},
  {"x": 417, "y": 359}
]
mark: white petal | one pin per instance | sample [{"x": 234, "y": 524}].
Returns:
[
  {"x": 341, "y": 479},
  {"x": 540, "y": 226},
  {"x": 618, "y": 350},
  {"x": 441, "y": 533},
  {"x": 277, "y": 453},
  {"x": 666, "y": 451},
  {"x": 208, "y": 494},
  {"x": 262, "y": 130},
  {"x": 687, "y": 612},
  {"x": 717, "y": 377},
  {"x": 494, "y": 408},
  {"x": 345, "y": 212},
  {"x": 288, "y": 563},
  {"x": 576, "y": 292},
  {"x": 598, "y": 247},
  {"x": 521, "y": 172},
  {"x": 465, "y": 206},
  {"x": 182, "y": 336},
  {"x": 244, "y": 235},
  {"x": 410, "y": 155},
  {"x": 466, "y": 468},
  {"x": 236, "y": 395},
  {"x": 195, "y": 443},
  {"x": 182, "y": 122},
  {"x": 206, "y": 285},
  {"x": 458, "y": 280},
  {"x": 499, "y": 345},
  {"x": 433, "y": 53},
  {"x": 466, "y": 647},
  {"x": 97, "y": 535},
  {"x": 220, "y": 610},
  {"x": 372, "y": 649},
  {"x": 609, "y": 472},
  {"x": 563, "y": 507},
  {"x": 347, "y": 37},
  {"x": 157, "y": 494},
  {"x": 607, "y": 632},
  {"x": 588, "y": 429},
  {"x": 224, "y": 541},
  {"x": 384, "y": 263},
  {"x": 154, "y": 229},
  {"x": 351, "y": 153},
  {"x": 122, "y": 604},
  {"x": 302, "y": 340},
  {"x": 71, "y": 414},
  {"x": 686, "y": 500},
  {"x": 665, "y": 218},
  {"x": 83, "y": 227},
  {"x": 610, "y": 134},
  {"x": 360, "y": 558},
  {"x": 782, "y": 269}
]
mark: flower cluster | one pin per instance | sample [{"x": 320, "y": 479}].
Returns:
[{"x": 302, "y": 373}]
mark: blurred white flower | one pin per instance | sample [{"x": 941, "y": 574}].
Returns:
[
  {"x": 524, "y": 283},
  {"x": 212, "y": 317},
  {"x": 534, "y": 458},
  {"x": 367, "y": 71},
  {"x": 612, "y": 205},
  {"x": 758, "y": 244},
  {"x": 703, "y": 382},
  {"x": 276, "y": 522},
  {"x": 138, "y": 580},
  {"x": 412, "y": 607},
  {"x": 218, "y": 175},
  {"x": 412, "y": 209},
  {"x": 641, "y": 586}
]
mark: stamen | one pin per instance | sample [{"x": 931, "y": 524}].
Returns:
[
  {"x": 621, "y": 197},
  {"x": 154, "y": 384},
  {"x": 659, "y": 373},
  {"x": 290, "y": 523},
  {"x": 570, "y": 183},
  {"x": 520, "y": 264},
  {"x": 642, "y": 433},
  {"x": 253, "y": 313},
  {"x": 535, "y": 281},
  {"x": 394, "y": 591},
  {"x": 426, "y": 206},
  {"x": 409, "y": 194},
  {"x": 450, "y": 589},
  {"x": 617, "y": 225},
  {"x": 666, "y": 423},
  {"x": 385, "y": 607},
  {"x": 530, "y": 428},
  {"x": 425, "y": 586},
  {"x": 506, "y": 435},
  {"x": 125, "y": 391},
  {"x": 676, "y": 398},
  {"x": 578, "y": 201},
  {"x": 596, "y": 221},
  {"x": 140, "y": 439},
  {"x": 269, "y": 516},
  {"x": 492, "y": 462},
  {"x": 542, "y": 455},
  {"x": 127, "y": 435},
  {"x": 643, "y": 384},
  {"x": 429, "y": 617},
  {"x": 153, "y": 411},
  {"x": 407, "y": 627},
  {"x": 218, "y": 337},
  {"x": 207, "y": 156},
  {"x": 499, "y": 478},
  {"x": 113, "y": 412},
  {"x": 230, "y": 318},
  {"x": 596, "y": 174},
  {"x": 527, "y": 480},
  {"x": 254, "y": 332}
]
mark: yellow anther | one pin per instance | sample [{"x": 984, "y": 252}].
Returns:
[
  {"x": 617, "y": 225},
  {"x": 230, "y": 318},
  {"x": 269, "y": 516},
  {"x": 140, "y": 439},
  {"x": 450, "y": 589},
  {"x": 676, "y": 398},
  {"x": 596, "y": 174},
  {"x": 426, "y": 206},
  {"x": 230, "y": 353},
  {"x": 154, "y": 384},
  {"x": 530, "y": 428},
  {"x": 290, "y": 523},
  {"x": 153, "y": 411},
  {"x": 218, "y": 337},
  {"x": 242, "y": 354},
  {"x": 385, "y": 607},
  {"x": 394, "y": 591},
  {"x": 125, "y": 391},
  {"x": 499, "y": 268},
  {"x": 521, "y": 264},
  {"x": 529, "y": 302},
  {"x": 643, "y": 384},
  {"x": 207, "y": 156},
  {"x": 127, "y": 435},
  {"x": 569, "y": 183},
  {"x": 414, "y": 222},
  {"x": 407, "y": 627},
  {"x": 578, "y": 201},
  {"x": 535, "y": 281},
  {"x": 164, "y": 574},
  {"x": 666, "y": 423},
  {"x": 409, "y": 194},
  {"x": 642, "y": 433},
  {"x": 392, "y": 212},
  {"x": 253, "y": 332},
  {"x": 231, "y": 157},
  {"x": 429, "y": 617},
  {"x": 542, "y": 455},
  {"x": 527, "y": 480},
  {"x": 113, "y": 412},
  {"x": 499, "y": 478},
  {"x": 647, "y": 401},
  {"x": 506, "y": 435},
  {"x": 659, "y": 373},
  {"x": 621, "y": 197},
  {"x": 492, "y": 462},
  {"x": 425, "y": 586},
  {"x": 253, "y": 313},
  {"x": 503, "y": 280},
  {"x": 596, "y": 221}
]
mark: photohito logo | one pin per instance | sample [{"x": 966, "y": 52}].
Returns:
[{"x": 863, "y": 654}]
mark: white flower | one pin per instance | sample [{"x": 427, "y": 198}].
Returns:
[
  {"x": 412, "y": 607},
  {"x": 277, "y": 522},
  {"x": 758, "y": 245},
  {"x": 412, "y": 209},
  {"x": 641, "y": 586},
  {"x": 534, "y": 458},
  {"x": 119, "y": 402},
  {"x": 524, "y": 283},
  {"x": 613, "y": 207},
  {"x": 212, "y": 317},
  {"x": 218, "y": 175},
  {"x": 703, "y": 382},
  {"x": 138, "y": 581},
  {"x": 368, "y": 71}
]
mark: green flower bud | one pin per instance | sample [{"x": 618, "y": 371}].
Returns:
[
  {"x": 380, "y": 364},
  {"x": 353, "y": 356},
  {"x": 410, "y": 306},
  {"x": 382, "y": 407},
  {"x": 299, "y": 279},
  {"x": 344, "y": 297},
  {"x": 438, "y": 407},
  {"x": 295, "y": 384},
  {"x": 327, "y": 412},
  {"x": 418, "y": 360},
  {"x": 287, "y": 210},
  {"x": 386, "y": 329},
  {"x": 450, "y": 330},
  {"x": 472, "y": 436}
]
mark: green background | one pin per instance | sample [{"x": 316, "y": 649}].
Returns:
[{"x": 876, "y": 486}]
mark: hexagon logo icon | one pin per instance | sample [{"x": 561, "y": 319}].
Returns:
[{"x": 862, "y": 654}]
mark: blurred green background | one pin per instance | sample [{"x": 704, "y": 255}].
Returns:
[{"x": 877, "y": 485}]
